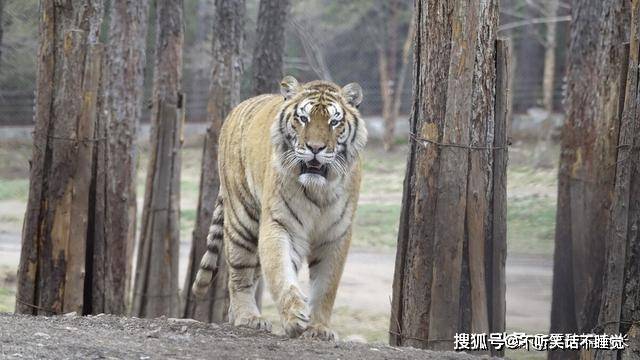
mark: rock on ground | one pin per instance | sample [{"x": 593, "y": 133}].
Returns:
[{"x": 112, "y": 337}]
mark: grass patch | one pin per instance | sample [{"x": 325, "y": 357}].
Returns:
[
  {"x": 187, "y": 223},
  {"x": 7, "y": 299},
  {"x": 531, "y": 225},
  {"x": 376, "y": 225},
  {"x": 522, "y": 176},
  {"x": 15, "y": 189}
]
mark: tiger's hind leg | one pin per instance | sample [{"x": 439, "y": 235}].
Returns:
[{"x": 241, "y": 246}]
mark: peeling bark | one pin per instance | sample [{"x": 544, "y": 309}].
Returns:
[{"x": 53, "y": 258}]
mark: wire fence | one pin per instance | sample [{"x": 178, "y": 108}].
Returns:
[{"x": 349, "y": 55}]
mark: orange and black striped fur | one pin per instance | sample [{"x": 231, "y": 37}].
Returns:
[{"x": 290, "y": 176}]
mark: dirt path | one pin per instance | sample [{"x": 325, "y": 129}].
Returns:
[
  {"x": 366, "y": 284},
  {"x": 367, "y": 279},
  {"x": 111, "y": 337}
]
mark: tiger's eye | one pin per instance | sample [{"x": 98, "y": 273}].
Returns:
[
  {"x": 304, "y": 119},
  {"x": 334, "y": 122}
]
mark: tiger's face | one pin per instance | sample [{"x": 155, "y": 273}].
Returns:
[{"x": 319, "y": 133}]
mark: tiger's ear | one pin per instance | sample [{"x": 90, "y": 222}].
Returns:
[
  {"x": 289, "y": 86},
  {"x": 352, "y": 93}
]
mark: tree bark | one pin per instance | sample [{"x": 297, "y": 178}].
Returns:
[
  {"x": 551, "y": 9},
  {"x": 269, "y": 48},
  {"x": 452, "y": 223},
  {"x": 224, "y": 94},
  {"x": 586, "y": 173},
  {"x": 620, "y": 308},
  {"x": 52, "y": 262},
  {"x": 156, "y": 283},
  {"x": 112, "y": 229}
]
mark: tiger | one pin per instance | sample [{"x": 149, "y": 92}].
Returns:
[{"x": 290, "y": 172}]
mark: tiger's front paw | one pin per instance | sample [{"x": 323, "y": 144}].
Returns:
[
  {"x": 253, "y": 322},
  {"x": 319, "y": 332},
  {"x": 294, "y": 312}
]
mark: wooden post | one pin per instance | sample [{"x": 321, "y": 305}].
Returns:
[
  {"x": 498, "y": 247},
  {"x": 621, "y": 288},
  {"x": 449, "y": 273},
  {"x": 224, "y": 94},
  {"x": 51, "y": 274},
  {"x": 156, "y": 283}
]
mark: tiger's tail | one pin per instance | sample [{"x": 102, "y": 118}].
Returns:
[{"x": 209, "y": 262}]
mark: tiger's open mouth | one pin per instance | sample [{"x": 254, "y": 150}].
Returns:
[{"x": 313, "y": 167}]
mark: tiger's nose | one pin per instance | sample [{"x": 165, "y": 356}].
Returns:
[{"x": 315, "y": 147}]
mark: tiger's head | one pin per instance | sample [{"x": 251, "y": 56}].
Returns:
[{"x": 318, "y": 134}]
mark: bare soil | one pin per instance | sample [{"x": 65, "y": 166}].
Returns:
[{"x": 112, "y": 337}]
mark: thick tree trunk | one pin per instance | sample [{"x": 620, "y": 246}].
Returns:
[
  {"x": 449, "y": 273},
  {"x": 620, "y": 305},
  {"x": 588, "y": 155},
  {"x": 549, "y": 73},
  {"x": 156, "y": 283},
  {"x": 224, "y": 93},
  {"x": 53, "y": 258},
  {"x": 269, "y": 48},
  {"x": 112, "y": 228}
]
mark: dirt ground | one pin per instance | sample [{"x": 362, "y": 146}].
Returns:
[{"x": 111, "y": 337}]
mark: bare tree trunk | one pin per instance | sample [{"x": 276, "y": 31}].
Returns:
[
  {"x": 588, "y": 155},
  {"x": 54, "y": 240},
  {"x": 1, "y": 28},
  {"x": 269, "y": 48},
  {"x": 551, "y": 9},
  {"x": 112, "y": 229},
  {"x": 387, "y": 68},
  {"x": 402, "y": 73},
  {"x": 620, "y": 308},
  {"x": 224, "y": 93},
  {"x": 449, "y": 274},
  {"x": 156, "y": 284}
]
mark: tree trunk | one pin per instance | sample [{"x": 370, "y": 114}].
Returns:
[
  {"x": 551, "y": 9},
  {"x": 387, "y": 69},
  {"x": 112, "y": 228},
  {"x": 269, "y": 48},
  {"x": 1, "y": 28},
  {"x": 449, "y": 273},
  {"x": 54, "y": 239},
  {"x": 402, "y": 72},
  {"x": 586, "y": 173},
  {"x": 224, "y": 94},
  {"x": 156, "y": 284},
  {"x": 620, "y": 307}
]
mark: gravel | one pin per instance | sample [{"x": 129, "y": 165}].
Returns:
[{"x": 112, "y": 337}]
